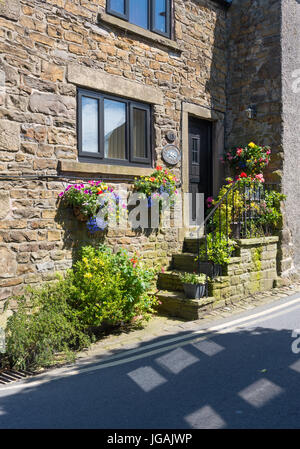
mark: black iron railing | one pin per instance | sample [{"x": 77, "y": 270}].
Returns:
[{"x": 238, "y": 214}]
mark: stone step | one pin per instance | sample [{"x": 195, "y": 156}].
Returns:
[
  {"x": 190, "y": 245},
  {"x": 177, "y": 305},
  {"x": 170, "y": 280},
  {"x": 186, "y": 262}
]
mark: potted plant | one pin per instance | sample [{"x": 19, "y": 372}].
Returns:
[{"x": 194, "y": 285}]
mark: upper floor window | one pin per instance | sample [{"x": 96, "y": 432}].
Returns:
[
  {"x": 113, "y": 130},
  {"x": 153, "y": 15}
]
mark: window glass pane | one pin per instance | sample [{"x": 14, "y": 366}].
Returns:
[
  {"x": 160, "y": 15},
  {"x": 114, "y": 129},
  {"x": 138, "y": 12},
  {"x": 90, "y": 124},
  {"x": 139, "y": 133},
  {"x": 118, "y": 6}
]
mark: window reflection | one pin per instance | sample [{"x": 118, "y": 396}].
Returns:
[
  {"x": 160, "y": 16},
  {"x": 118, "y": 6},
  {"x": 89, "y": 125},
  {"x": 139, "y": 133},
  {"x": 138, "y": 12},
  {"x": 114, "y": 129}
]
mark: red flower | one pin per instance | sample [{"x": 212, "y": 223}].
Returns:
[
  {"x": 159, "y": 168},
  {"x": 243, "y": 175},
  {"x": 99, "y": 192}
]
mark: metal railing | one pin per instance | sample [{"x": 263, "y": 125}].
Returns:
[{"x": 235, "y": 216}]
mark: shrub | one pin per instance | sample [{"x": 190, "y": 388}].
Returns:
[
  {"x": 218, "y": 249},
  {"x": 43, "y": 325},
  {"x": 110, "y": 287}
]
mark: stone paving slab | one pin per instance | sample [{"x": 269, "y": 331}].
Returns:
[{"x": 161, "y": 326}]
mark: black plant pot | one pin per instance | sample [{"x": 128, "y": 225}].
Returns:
[
  {"x": 216, "y": 270},
  {"x": 236, "y": 230},
  {"x": 194, "y": 291}
]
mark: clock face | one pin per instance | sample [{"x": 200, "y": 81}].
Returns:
[{"x": 171, "y": 154}]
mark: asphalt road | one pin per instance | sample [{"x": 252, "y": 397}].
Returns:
[{"x": 242, "y": 372}]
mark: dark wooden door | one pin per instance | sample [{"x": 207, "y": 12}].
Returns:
[{"x": 200, "y": 160}]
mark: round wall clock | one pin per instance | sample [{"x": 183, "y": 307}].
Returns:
[{"x": 171, "y": 154}]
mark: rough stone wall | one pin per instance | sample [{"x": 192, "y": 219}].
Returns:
[
  {"x": 291, "y": 124},
  {"x": 263, "y": 52},
  {"x": 38, "y": 39},
  {"x": 254, "y": 77}
]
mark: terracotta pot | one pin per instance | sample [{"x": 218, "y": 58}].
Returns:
[{"x": 79, "y": 215}]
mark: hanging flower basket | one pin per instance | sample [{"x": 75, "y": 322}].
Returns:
[
  {"x": 79, "y": 215},
  {"x": 87, "y": 201},
  {"x": 158, "y": 187}
]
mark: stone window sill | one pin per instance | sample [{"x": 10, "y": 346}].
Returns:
[
  {"x": 103, "y": 169},
  {"x": 115, "y": 21}
]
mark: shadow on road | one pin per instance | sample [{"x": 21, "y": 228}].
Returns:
[{"x": 241, "y": 379}]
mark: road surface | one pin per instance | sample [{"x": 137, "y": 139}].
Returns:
[{"x": 241, "y": 372}]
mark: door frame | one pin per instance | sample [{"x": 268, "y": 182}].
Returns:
[{"x": 218, "y": 133}]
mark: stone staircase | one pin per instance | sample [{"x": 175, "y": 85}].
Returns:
[
  {"x": 251, "y": 270},
  {"x": 171, "y": 294}
]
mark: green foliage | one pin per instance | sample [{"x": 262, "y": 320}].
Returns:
[
  {"x": 43, "y": 326},
  {"x": 110, "y": 287},
  {"x": 193, "y": 278},
  {"x": 219, "y": 248},
  {"x": 229, "y": 211},
  {"x": 270, "y": 210}
]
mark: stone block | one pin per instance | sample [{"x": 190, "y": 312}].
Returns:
[
  {"x": 10, "y": 9},
  {"x": 9, "y": 136},
  {"x": 8, "y": 264},
  {"x": 52, "y": 104},
  {"x": 4, "y": 204}
]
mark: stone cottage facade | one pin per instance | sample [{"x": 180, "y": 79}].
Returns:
[{"x": 189, "y": 67}]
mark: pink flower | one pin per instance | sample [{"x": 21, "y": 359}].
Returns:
[
  {"x": 61, "y": 194},
  {"x": 209, "y": 201},
  {"x": 239, "y": 151},
  {"x": 260, "y": 178},
  {"x": 268, "y": 152}
]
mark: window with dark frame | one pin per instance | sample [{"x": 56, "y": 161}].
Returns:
[
  {"x": 113, "y": 130},
  {"x": 153, "y": 15}
]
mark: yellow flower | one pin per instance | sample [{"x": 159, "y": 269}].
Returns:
[
  {"x": 252, "y": 145},
  {"x": 84, "y": 259},
  {"x": 88, "y": 275}
]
